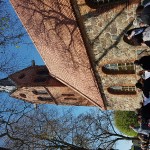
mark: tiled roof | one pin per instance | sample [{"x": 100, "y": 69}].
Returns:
[{"x": 52, "y": 26}]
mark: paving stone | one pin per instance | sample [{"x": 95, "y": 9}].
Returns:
[
  {"x": 113, "y": 30},
  {"x": 114, "y": 37}
]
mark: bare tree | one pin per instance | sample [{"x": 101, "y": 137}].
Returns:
[
  {"x": 51, "y": 130},
  {"x": 11, "y": 30},
  {"x": 12, "y": 36},
  {"x": 10, "y": 114}
]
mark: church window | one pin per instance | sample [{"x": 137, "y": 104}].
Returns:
[
  {"x": 43, "y": 72},
  {"x": 22, "y": 95},
  {"x": 40, "y": 79},
  {"x": 36, "y": 92},
  {"x": 21, "y": 76},
  {"x": 119, "y": 68},
  {"x": 123, "y": 90},
  {"x": 45, "y": 99},
  {"x": 67, "y": 94},
  {"x": 70, "y": 98}
]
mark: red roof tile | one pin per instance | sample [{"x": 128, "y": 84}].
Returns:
[{"x": 54, "y": 31}]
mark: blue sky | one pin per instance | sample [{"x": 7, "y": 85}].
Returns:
[
  {"x": 28, "y": 52},
  {"x": 124, "y": 145}
]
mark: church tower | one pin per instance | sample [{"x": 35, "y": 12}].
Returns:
[{"x": 36, "y": 85}]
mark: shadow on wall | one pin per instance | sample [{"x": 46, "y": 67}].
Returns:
[
  {"x": 95, "y": 4},
  {"x": 106, "y": 5}
]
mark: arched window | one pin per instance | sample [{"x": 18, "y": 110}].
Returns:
[
  {"x": 70, "y": 98},
  {"x": 67, "y": 94},
  {"x": 37, "y": 92},
  {"x": 122, "y": 90},
  {"x": 119, "y": 68},
  {"x": 45, "y": 99},
  {"x": 43, "y": 72},
  {"x": 22, "y": 95},
  {"x": 21, "y": 76},
  {"x": 40, "y": 79}
]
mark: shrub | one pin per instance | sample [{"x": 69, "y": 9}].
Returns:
[{"x": 123, "y": 119}]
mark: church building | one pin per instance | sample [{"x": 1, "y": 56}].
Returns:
[
  {"x": 35, "y": 85},
  {"x": 83, "y": 49}
]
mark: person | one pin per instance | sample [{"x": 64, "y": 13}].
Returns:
[
  {"x": 144, "y": 85},
  {"x": 138, "y": 36},
  {"x": 144, "y": 146},
  {"x": 146, "y": 100},
  {"x": 143, "y": 14},
  {"x": 145, "y": 74},
  {"x": 138, "y": 21},
  {"x": 143, "y": 115},
  {"x": 143, "y": 138},
  {"x": 146, "y": 88},
  {"x": 144, "y": 62},
  {"x": 145, "y": 111},
  {"x": 140, "y": 130}
]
